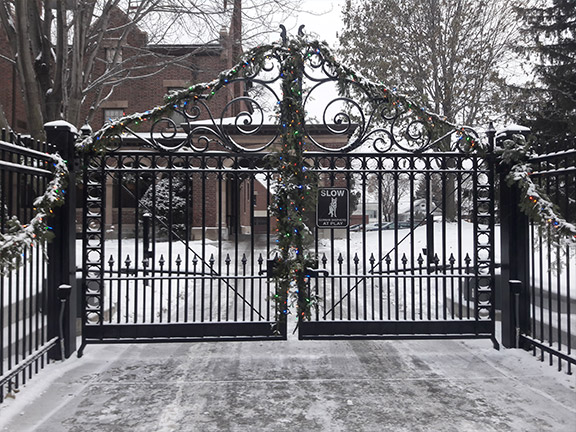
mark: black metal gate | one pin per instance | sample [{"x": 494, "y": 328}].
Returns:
[
  {"x": 172, "y": 248},
  {"x": 181, "y": 221},
  {"x": 419, "y": 261}
]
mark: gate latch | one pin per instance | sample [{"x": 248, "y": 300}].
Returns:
[{"x": 314, "y": 273}]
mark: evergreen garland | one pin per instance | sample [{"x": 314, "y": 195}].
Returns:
[
  {"x": 515, "y": 153},
  {"x": 18, "y": 238}
]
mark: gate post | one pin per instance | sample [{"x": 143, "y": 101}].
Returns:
[
  {"x": 61, "y": 271},
  {"x": 514, "y": 243}
]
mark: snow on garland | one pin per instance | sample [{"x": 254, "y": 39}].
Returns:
[
  {"x": 535, "y": 202},
  {"x": 295, "y": 189},
  {"x": 19, "y": 238}
]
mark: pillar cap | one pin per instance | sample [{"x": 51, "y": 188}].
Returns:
[{"x": 60, "y": 125}]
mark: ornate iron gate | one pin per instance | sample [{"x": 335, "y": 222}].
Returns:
[
  {"x": 199, "y": 230},
  {"x": 419, "y": 262},
  {"x": 172, "y": 249}
]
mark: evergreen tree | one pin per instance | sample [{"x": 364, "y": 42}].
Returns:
[
  {"x": 551, "y": 30},
  {"x": 168, "y": 200}
]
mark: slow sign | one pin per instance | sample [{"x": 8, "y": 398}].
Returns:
[{"x": 333, "y": 208}]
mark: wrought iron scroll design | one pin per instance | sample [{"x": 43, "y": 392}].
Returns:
[
  {"x": 246, "y": 124},
  {"x": 374, "y": 118},
  {"x": 341, "y": 107}
]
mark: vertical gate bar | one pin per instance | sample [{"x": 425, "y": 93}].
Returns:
[
  {"x": 349, "y": 297},
  {"x": 194, "y": 206},
  {"x": 559, "y": 302},
  {"x": 194, "y": 288},
  {"x": 137, "y": 261},
  {"x": 119, "y": 225},
  {"x": 429, "y": 254},
  {"x": 236, "y": 211},
  {"x": 26, "y": 312},
  {"x": 243, "y": 303},
  {"x": 410, "y": 178},
  {"x": 541, "y": 290},
  {"x": 445, "y": 197},
  {"x": 558, "y": 283},
  {"x": 404, "y": 287},
  {"x": 270, "y": 236},
  {"x": 203, "y": 238},
  {"x": 153, "y": 263},
  {"x": 549, "y": 291},
  {"x": 388, "y": 287},
  {"x": 364, "y": 177},
  {"x": 178, "y": 276},
  {"x": 220, "y": 239},
  {"x": 533, "y": 322},
  {"x": 211, "y": 290},
  {"x": 459, "y": 243},
  {"x": 252, "y": 243},
  {"x": 228, "y": 284},
  {"x": 569, "y": 185},
  {"x": 396, "y": 256},
  {"x": 171, "y": 228},
  {"x": 16, "y": 323},
  {"x": 568, "y": 304},
  {"x": 25, "y": 286},
  {"x": 379, "y": 178},
  {"x": 188, "y": 218},
  {"x": 38, "y": 283}
]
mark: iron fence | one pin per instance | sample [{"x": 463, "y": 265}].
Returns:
[
  {"x": 24, "y": 302},
  {"x": 552, "y": 277}
]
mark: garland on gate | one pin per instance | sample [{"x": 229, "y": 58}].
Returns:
[
  {"x": 255, "y": 60},
  {"x": 535, "y": 203},
  {"x": 18, "y": 238}
]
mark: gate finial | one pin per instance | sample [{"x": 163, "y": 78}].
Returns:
[
  {"x": 301, "y": 30},
  {"x": 283, "y": 34}
]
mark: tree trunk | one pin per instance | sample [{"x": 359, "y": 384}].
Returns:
[{"x": 33, "y": 100}]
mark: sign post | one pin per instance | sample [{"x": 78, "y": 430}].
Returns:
[{"x": 333, "y": 208}]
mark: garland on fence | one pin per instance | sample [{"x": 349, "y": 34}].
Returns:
[
  {"x": 296, "y": 186},
  {"x": 18, "y": 238},
  {"x": 535, "y": 202}
]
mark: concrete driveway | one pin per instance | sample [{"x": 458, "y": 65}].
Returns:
[{"x": 296, "y": 386}]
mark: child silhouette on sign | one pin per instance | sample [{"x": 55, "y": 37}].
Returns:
[{"x": 333, "y": 207}]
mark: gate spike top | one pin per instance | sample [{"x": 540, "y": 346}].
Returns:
[{"x": 284, "y": 34}]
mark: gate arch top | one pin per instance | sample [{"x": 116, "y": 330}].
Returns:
[{"x": 278, "y": 83}]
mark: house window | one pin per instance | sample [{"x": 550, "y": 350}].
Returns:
[
  {"x": 113, "y": 114},
  {"x": 176, "y": 117},
  {"x": 110, "y": 55}
]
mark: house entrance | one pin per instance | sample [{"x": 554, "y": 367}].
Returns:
[{"x": 207, "y": 230}]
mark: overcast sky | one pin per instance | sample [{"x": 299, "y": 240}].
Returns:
[{"x": 324, "y": 19}]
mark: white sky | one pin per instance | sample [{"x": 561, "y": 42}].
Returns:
[{"x": 323, "y": 18}]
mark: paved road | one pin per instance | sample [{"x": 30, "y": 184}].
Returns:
[{"x": 297, "y": 386}]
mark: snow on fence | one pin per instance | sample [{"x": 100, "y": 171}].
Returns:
[{"x": 25, "y": 172}]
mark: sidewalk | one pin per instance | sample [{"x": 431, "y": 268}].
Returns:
[{"x": 296, "y": 386}]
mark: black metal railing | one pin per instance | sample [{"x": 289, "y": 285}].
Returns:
[
  {"x": 552, "y": 283},
  {"x": 24, "y": 313},
  {"x": 36, "y": 277},
  {"x": 538, "y": 265}
]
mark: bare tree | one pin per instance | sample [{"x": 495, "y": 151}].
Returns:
[
  {"x": 388, "y": 190},
  {"x": 444, "y": 53},
  {"x": 55, "y": 44}
]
